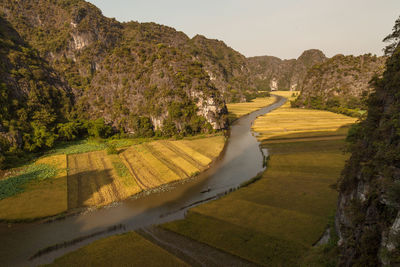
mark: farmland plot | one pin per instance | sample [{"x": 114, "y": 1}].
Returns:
[
  {"x": 160, "y": 162},
  {"x": 92, "y": 180}
]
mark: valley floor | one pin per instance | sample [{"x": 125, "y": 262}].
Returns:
[
  {"x": 276, "y": 220},
  {"x": 81, "y": 174}
]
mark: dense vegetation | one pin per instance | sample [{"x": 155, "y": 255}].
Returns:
[
  {"x": 33, "y": 99},
  {"x": 69, "y": 73},
  {"x": 340, "y": 84},
  {"x": 369, "y": 204}
]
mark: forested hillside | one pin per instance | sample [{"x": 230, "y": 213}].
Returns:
[
  {"x": 368, "y": 215},
  {"x": 97, "y": 76},
  {"x": 33, "y": 98},
  {"x": 340, "y": 84}
]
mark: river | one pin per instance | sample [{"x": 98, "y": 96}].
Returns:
[{"x": 242, "y": 160}]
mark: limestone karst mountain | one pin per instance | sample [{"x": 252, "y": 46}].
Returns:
[{"x": 272, "y": 73}]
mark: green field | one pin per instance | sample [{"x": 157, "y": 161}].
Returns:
[
  {"x": 128, "y": 249},
  {"x": 82, "y": 174},
  {"x": 42, "y": 194},
  {"x": 276, "y": 220}
]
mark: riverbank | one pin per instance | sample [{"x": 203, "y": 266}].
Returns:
[
  {"x": 277, "y": 220},
  {"x": 241, "y": 161},
  {"x": 80, "y": 175},
  {"x": 67, "y": 183}
]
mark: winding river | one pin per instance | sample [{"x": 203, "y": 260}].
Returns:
[{"x": 39, "y": 243}]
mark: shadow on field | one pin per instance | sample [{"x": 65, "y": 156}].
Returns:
[
  {"x": 86, "y": 185},
  {"x": 339, "y": 133}
]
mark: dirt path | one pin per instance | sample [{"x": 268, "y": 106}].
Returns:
[{"x": 191, "y": 251}]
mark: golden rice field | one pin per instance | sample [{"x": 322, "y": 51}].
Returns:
[
  {"x": 291, "y": 95},
  {"x": 156, "y": 163},
  {"x": 303, "y": 123},
  {"x": 237, "y": 110},
  {"x": 276, "y": 220},
  {"x": 93, "y": 181},
  {"x": 97, "y": 179}
]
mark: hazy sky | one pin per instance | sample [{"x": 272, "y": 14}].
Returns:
[{"x": 282, "y": 28}]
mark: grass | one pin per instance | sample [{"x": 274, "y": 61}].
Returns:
[
  {"x": 128, "y": 249},
  {"x": 275, "y": 220},
  {"x": 85, "y": 146},
  {"x": 237, "y": 110},
  {"x": 40, "y": 190}
]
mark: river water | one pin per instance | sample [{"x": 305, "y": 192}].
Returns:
[{"x": 39, "y": 243}]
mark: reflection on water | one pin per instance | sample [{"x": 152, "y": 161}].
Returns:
[{"x": 242, "y": 160}]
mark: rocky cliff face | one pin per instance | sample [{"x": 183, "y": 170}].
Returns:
[
  {"x": 340, "y": 82},
  {"x": 368, "y": 215},
  {"x": 118, "y": 71},
  {"x": 272, "y": 73},
  {"x": 228, "y": 69}
]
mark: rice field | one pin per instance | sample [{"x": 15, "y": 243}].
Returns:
[
  {"x": 93, "y": 181},
  {"x": 290, "y": 95},
  {"x": 42, "y": 196},
  {"x": 276, "y": 220},
  {"x": 303, "y": 123},
  {"x": 237, "y": 110},
  {"x": 62, "y": 182},
  {"x": 156, "y": 163},
  {"x": 128, "y": 249}
]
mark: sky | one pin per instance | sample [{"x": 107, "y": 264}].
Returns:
[{"x": 282, "y": 28}]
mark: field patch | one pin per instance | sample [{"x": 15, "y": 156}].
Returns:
[
  {"x": 128, "y": 249},
  {"x": 38, "y": 190},
  {"x": 237, "y": 110},
  {"x": 209, "y": 147},
  {"x": 287, "y": 123},
  {"x": 156, "y": 163},
  {"x": 92, "y": 180}
]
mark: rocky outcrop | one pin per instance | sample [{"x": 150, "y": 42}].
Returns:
[
  {"x": 368, "y": 214},
  {"x": 340, "y": 82},
  {"x": 119, "y": 71},
  {"x": 272, "y": 73},
  {"x": 228, "y": 69}
]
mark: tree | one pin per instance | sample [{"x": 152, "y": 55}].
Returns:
[
  {"x": 394, "y": 38},
  {"x": 69, "y": 131},
  {"x": 98, "y": 129}
]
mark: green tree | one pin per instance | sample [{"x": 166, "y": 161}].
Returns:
[
  {"x": 393, "y": 38},
  {"x": 98, "y": 129}
]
